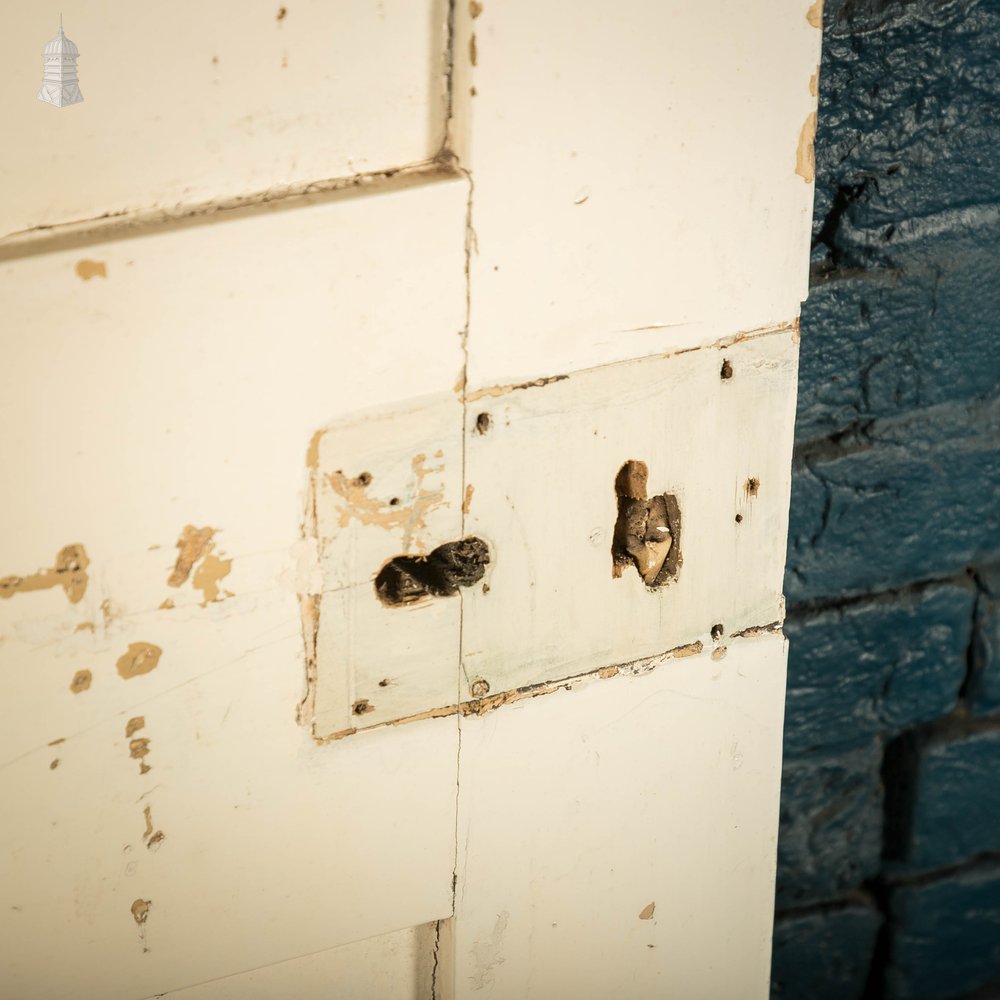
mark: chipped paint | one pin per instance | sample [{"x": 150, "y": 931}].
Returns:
[
  {"x": 475, "y": 9},
  {"x": 153, "y": 838},
  {"x": 81, "y": 681},
  {"x": 139, "y": 658},
  {"x": 814, "y": 83},
  {"x": 479, "y": 706},
  {"x": 755, "y": 630},
  {"x": 138, "y": 749},
  {"x": 192, "y": 544},
  {"x": 305, "y": 712},
  {"x": 134, "y": 725},
  {"x": 207, "y": 576},
  {"x": 166, "y": 604},
  {"x": 409, "y": 518},
  {"x": 54, "y": 764},
  {"x": 815, "y": 14},
  {"x": 502, "y": 390},
  {"x": 473, "y": 50},
  {"x": 646, "y": 913},
  {"x": 87, "y": 269},
  {"x": 69, "y": 572},
  {"x": 487, "y": 955},
  {"x": 140, "y": 913},
  {"x": 467, "y": 502},
  {"x": 805, "y": 154}
]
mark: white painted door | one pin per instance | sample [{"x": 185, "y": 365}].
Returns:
[{"x": 398, "y": 405}]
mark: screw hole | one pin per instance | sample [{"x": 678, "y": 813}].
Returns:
[{"x": 483, "y": 422}]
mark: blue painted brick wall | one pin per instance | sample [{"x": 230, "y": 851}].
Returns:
[
  {"x": 825, "y": 955},
  {"x": 889, "y": 847},
  {"x": 947, "y": 942}
]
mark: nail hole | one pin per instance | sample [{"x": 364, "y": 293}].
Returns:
[
  {"x": 717, "y": 631},
  {"x": 362, "y": 707},
  {"x": 394, "y": 502},
  {"x": 480, "y": 688},
  {"x": 752, "y": 486},
  {"x": 739, "y": 518},
  {"x": 483, "y": 422},
  {"x": 364, "y": 479},
  {"x": 384, "y": 683},
  {"x": 407, "y": 579},
  {"x": 727, "y": 369}
]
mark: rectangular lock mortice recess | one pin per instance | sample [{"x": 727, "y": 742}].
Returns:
[{"x": 551, "y": 531}]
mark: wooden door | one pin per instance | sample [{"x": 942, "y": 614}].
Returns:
[{"x": 398, "y": 403}]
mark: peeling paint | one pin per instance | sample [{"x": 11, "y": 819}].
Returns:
[
  {"x": 87, "y": 269},
  {"x": 153, "y": 838},
  {"x": 81, "y": 681},
  {"x": 207, "y": 576},
  {"x": 192, "y": 545},
  {"x": 487, "y": 955},
  {"x": 138, "y": 749},
  {"x": 69, "y": 572},
  {"x": 140, "y": 913},
  {"x": 408, "y": 518},
  {"x": 502, "y": 390},
  {"x": 755, "y": 630},
  {"x": 479, "y": 706},
  {"x": 805, "y": 154},
  {"x": 140, "y": 658}
]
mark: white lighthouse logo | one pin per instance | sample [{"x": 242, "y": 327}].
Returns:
[{"x": 60, "y": 85}]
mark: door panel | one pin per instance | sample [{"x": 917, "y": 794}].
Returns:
[{"x": 189, "y": 102}]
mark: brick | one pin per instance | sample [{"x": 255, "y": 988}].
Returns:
[
  {"x": 908, "y": 98},
  {"x": 984, "y": 690},
  {"x": 946, "y": 936},
  {"x": 824, "y": 955},
  {"x": 877, "y": 667},
  {"x": 955, "y": 801},
  {"x": 880, "y": 343},
  {"x": 909, "y": 499},
  {"x": 830, "y": 836}
]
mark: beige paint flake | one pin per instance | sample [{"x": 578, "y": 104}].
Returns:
[
  {"x": 137, "y": 750},
  {"x": 152, "y": 838},
  {"x": 87, "y": 269},
  {"x": 139, "y": 658},
  {"x": 192, "y": 545},
  {"x": 69, "y": 572},
  {"x": 207, "y": 576},
  {"x": 140, "y": 913},
  {"x": 805, "y": 154},
  {"x": 81, "y": 681},
  {"x": 391, "y": 514}
]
